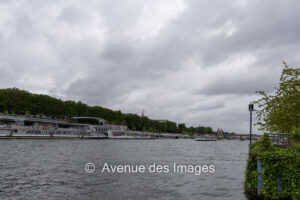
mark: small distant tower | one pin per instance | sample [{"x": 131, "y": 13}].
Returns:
[
  {"x": 143, "y": 111},
  {"x": 220, "y": 131}
]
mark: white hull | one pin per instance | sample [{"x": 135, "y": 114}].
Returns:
[{"x": 206, "y": 139}]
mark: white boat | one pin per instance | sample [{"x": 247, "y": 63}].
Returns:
[
  {"x": 206, "y": 139},
  {"x": 12, "y": 126},
  {"x": 119, "y": 134}
]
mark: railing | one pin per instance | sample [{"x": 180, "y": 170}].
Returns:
[{"x": 280, "y": 139}]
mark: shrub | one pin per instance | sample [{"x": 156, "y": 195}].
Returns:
[
  {"x": 295, "y": 137},
  {"x": 277, "y": 163}
]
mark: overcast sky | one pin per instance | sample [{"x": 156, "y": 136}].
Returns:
[{"x": 193, "y": 61}]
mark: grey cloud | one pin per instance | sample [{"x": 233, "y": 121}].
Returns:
[
  {"x": 74, "y": 15},
  {"x": 207, "y": 106},
  {"x": 245, "y": 83}
]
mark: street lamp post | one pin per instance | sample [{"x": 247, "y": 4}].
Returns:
[{"x": 251, "y": 108}]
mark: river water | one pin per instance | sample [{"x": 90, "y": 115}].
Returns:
[{"x": 55, "y": 169}]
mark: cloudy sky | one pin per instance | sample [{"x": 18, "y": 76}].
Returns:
[{"x": 193, "y": 61}]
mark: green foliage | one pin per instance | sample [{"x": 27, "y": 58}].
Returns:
[
  {"x": 283, "y": 163},
  {"x": 278, "y": 113},
  {"x": 251, "y": 176},
  {"x": 188, "y": 133},
  {"x": 281, "y": 112},
  {"x": 198, "y": 129},
  {"x": 153, "y": 130},
  {"x": 276, "y": 162},
  {"x": 181, "y": 128},
  {"x": 295, "y": 136},
  {"x": 262, "y": 145}
]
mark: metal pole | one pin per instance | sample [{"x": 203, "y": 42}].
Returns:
[{"x": 250, "y": 129}]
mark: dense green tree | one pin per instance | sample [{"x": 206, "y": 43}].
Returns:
[
  {"x": 280, "y": 112},
  {"x": 181, "y": 128}
]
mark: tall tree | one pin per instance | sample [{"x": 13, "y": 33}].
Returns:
[{"x": 280, "y": 112}]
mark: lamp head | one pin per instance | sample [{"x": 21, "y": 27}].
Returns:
[{"x": 251, "y": 107}]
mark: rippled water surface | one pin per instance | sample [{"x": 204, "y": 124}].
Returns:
[{"x": 55, "y": 169}]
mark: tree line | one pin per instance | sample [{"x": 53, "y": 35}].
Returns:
[{"x": 21, "y": 102}]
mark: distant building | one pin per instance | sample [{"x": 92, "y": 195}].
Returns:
[
  {"x": 89, "y": 120},
  {"x": 220, "y": 131},
  {"x": 118, "y": 127}
]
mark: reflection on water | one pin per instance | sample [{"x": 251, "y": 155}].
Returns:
[{"x": 55, "y": 169}]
